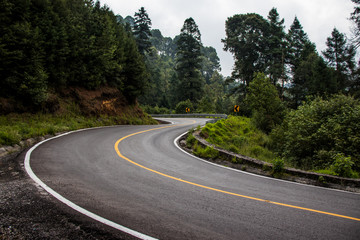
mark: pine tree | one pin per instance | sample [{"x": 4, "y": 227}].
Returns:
[
  {"x": 355, "y": 17},
  {"x": 135, "y": 73},
  {"x": 340, "y": 56},
  {"x": 276, "y": 48},
  {"x": 299, "y": 45},
  {"x": 188, "y": 59},
  {"x": 142, "y": 31},
  {"x": 299, "y": 48}
]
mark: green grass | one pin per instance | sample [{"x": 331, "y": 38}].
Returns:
[
  {"x": 17, "y": 127},
  {"x": 206, "y": 152},
  {"x": 237, "y": 134}
]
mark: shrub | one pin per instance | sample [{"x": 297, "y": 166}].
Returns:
[
  {"x": 266, "y": 106},
  {"x": 278, "y": 166},
  {"x": 9, "y": 137},
  {"x": 310, "y": 135},
  {"x": 190, "y": 140},
  {"x": 256, "y": 151},
  {"x": 182, "y": 106},
  {"x": 206, "y": 152},
  {"x": 342, "y": 165}
]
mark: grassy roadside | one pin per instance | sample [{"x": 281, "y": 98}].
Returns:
[
  {"x": 238, "y": 135},
  {"x": 17, "y": 127}
]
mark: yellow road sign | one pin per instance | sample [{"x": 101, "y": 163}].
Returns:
[
  {"x": 236, "y": 108},
  {"x": 187, "y": 110}
]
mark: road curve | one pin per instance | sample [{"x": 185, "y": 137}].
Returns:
[{"x": 136, "y": 177}]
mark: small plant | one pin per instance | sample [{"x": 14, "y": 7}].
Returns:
[
  {"x": 278, "y": 166},
  {"x": 206, "y": 152},
  {"x": 190, "y": 140},
  {"x": 322, "y": 179},
  {"x": 342, "y": 165}
]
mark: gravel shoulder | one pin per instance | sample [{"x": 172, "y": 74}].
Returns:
[{"x": 29, "y": 212}]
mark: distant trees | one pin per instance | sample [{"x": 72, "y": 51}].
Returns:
[
  {"x": 142, "y": 33},
  {"x": 182, "y": 69}
]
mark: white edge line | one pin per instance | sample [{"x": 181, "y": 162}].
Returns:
[
  {"x": 71, "y": 204},
  {"x": 253, "y": 174}
]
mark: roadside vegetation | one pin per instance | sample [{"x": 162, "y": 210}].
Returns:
[
  {"x": 17, "y": 127},
  {"x": 321, "y": 136},
  {"x": 239, "y": 135}
]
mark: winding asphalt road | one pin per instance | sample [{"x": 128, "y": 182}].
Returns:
[{"x": 135, "y": 176}]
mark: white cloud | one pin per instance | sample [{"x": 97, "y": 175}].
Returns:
[{"x": 318, "y": 17}]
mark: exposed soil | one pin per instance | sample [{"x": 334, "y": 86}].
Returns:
[
  {"x": 102, "y": 101},
  {"x": 29, "y": 212}
]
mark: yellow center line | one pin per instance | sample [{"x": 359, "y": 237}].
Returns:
[{"x": 215, "y": 189}]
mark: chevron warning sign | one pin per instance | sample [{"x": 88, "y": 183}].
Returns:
[{"x": 236, "y": 108}]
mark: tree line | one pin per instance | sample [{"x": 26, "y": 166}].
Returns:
[
  {"x": 181, "y": 69},
  {"x": 47, "y": 45},
  {"x": 289, "y": 59}
]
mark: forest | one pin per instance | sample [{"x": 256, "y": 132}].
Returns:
[
  {"x": 46, "y": 46},
  {"x": 279, "y": 78}
]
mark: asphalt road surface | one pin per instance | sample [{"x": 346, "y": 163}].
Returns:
[{"x": 136, "y": 177}]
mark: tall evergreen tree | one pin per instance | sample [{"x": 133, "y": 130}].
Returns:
[
  {"x": 188, "y": 58},
  {"x": 299, "y": 48},
  {"x": 355, "y": 17},
  {"x": 276, "y": 48},
  {"x": 142, "y": 32},
  {"x": 340, "y": 56},
  {"x": 299, "y": 45}
]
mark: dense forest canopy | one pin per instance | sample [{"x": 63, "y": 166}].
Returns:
[
  {"x": 289, "y": 58},
  {"x": 48, "y": 45}
]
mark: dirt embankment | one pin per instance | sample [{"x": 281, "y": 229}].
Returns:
[{"x": 102, "y": 101}]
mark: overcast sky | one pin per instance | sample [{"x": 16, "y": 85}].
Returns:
[{"x": 318, "y": 17}]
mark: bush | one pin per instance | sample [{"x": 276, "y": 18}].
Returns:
[
  {"x": 155, "y": 110},
  {"x": 266, "y": 106},
  {"x": 190, "y": 140},
  {"x": 278, "y": 166},
  {"x": 312, "y": 134},
  {"x": 342, "y": 165},
  {"x": 206, "y": 152},
  {"x": 182, "y": 106}
]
